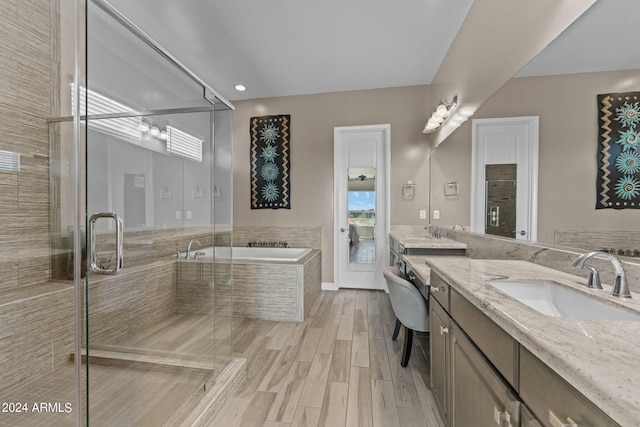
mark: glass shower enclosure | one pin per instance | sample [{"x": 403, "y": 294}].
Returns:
[{"x": 141, "y": 195}]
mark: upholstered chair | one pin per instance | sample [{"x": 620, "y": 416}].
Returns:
[{"x": 410, "y": 307}]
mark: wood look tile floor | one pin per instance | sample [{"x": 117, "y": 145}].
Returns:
[{"x": 338, "y": 368}]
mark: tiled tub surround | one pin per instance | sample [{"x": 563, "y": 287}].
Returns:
[
  {"x": 626, "y": 242},
  {"x": 203, "y": 287},
  {"x": 280, "y": 291},
  {"x": 599, "y": 358},
  {"x": 136, "y": 298},
  {"x": 296, "y": 236},
  {"x": 142, "y": 247}
]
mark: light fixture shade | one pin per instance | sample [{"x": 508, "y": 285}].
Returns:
[
  {"x": 155, "y": 131},
  {"x": 144, "y": 126},
  {"x": 163, "y": 134},
  {"x": 441, "y": 111},
  {"x": 430, "y": 127},
  {"x": 436, "y": 120}
]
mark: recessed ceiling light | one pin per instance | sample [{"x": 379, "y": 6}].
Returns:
[{"x": 241, "y": 88}]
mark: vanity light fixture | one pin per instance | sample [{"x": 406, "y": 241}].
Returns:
[
  {"x": 127, "y": 128},
  {"x": 442, "y": 111},
  {"x": 145, "y": 126}
]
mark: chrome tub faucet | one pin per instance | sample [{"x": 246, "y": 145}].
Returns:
[
  {"x": 188, "y": 254},
  {"x": 620, "y": 287}
]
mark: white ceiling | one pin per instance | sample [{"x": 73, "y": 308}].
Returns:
[{"x": 292, "y": 47}]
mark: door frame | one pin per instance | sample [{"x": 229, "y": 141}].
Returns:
[
  {"x": 477, "y": 184},
  {"x": 385, "y": 204}
]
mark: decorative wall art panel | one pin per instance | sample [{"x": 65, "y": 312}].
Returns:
[
  {"x": 618, "y": 184},
  {"x": 270, "y": 165}
]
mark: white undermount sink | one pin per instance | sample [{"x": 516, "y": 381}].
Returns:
[{"x": 555, "y": 300}]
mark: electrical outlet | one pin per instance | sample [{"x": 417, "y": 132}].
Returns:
[
  {"x": 436, "y": 214},
  {"x": 423, "y": 214}
]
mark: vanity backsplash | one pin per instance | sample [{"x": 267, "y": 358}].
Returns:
[{"x": 559, "y": 258}]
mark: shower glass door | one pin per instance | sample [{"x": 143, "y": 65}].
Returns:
[{"x": 158, "y": 200}]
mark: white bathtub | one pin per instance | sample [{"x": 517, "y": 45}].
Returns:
[{"x": 256, "y": 254}]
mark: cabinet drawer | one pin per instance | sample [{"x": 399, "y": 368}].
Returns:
[
  {"x": 498, "y": 346},
  {"x": 417, "y": 281},
  {"x": 543, "y": 391},
  {"x": 439, "y": 290}
]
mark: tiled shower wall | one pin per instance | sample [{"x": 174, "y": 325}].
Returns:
[{"x": 28, "y": 96}]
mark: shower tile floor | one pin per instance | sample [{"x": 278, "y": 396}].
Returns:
[
  {"x": 121, "y": 397},
  {"x": 133, "y": 394}
]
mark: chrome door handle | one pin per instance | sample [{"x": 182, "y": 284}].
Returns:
[
  {"x": 343, "y": 229},
  {"x": 93, "y": 257}
]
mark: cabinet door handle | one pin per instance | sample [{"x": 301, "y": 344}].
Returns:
[
  {"x": 412, "y": 277},
  {"x": 557, "y": 422},
  {"x": 435, "y": 288},
  {"x": 443, "y": 330}
]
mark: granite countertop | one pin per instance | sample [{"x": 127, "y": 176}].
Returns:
[
  {"x": 600, "y": 358},
  {"x": 419, "y": 238}
]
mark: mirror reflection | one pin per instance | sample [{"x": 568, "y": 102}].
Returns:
[
  {"x": 500, "y": 203},
  {"x": 361, "y": 206},
  {"x": 561, "y": 87}
]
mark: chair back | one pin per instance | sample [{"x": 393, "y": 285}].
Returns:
[{"x": 409, "y": 306}]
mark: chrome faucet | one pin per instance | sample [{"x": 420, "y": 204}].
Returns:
[
  {"x": 620, "y": 288},
  {"x": 188, "y": 254},
  {"x": 435, "y": 233}
]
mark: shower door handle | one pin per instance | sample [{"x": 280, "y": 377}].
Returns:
[{"x": 98, "y": 266}]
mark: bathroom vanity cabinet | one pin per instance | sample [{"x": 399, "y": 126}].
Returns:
[
  {"x": 466, "y": 386},
  {"x": 416, "y": 242},
  {"x": 482, "y": 376}
]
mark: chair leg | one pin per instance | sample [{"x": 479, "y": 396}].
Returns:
[
  {"x": 408, "y": 342},
  {"x": 396, "y": 330}
]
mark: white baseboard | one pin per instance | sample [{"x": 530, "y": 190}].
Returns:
[{"x": 329, "y": 286}]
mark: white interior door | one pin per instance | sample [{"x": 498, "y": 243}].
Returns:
[
  {"x": 506, "y": 141},
  {"x": 361, "y": 193}
]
